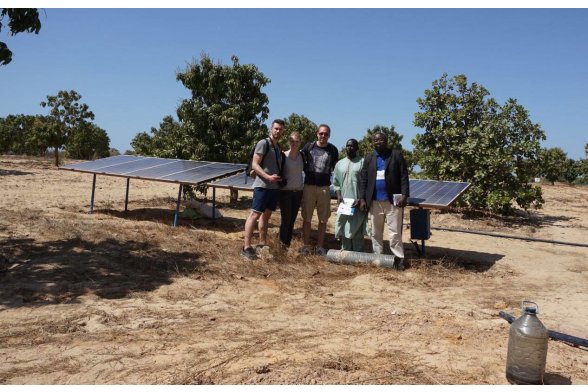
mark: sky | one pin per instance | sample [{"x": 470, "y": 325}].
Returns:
[{"x": 350, "y": 68}]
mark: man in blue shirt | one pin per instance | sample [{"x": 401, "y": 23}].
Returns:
[{"x": 384, "y": 192}]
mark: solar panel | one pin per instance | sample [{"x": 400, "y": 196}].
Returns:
[
  {"x": 424, "y": 193},
  {"x": 157, "y": 169},
  {"x": 438, "y": 194}
]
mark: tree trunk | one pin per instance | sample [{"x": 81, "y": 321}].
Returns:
[{"x": 56, "y": 156}]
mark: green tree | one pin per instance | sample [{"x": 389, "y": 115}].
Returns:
[
  {"x": 20, "y": 20},
  {"x": 470, "y": 137},
  {"x": 225, "y": 114},
  {"x": 113, "y": 152},
  {"x": 167, "y": 141},
  {"x": 67, "y": 113},
  {"x": 571, "y": 171},
  {"x": 553, "y": 161},
  {"x": 394, "y": 142},
  {"x": 87, "y": 141},
  {"x": 19, "y": 134},
  {"x": 303, "y": 125}
]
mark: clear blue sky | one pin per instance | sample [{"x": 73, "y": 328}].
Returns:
[{"x": 351, "y": 68}]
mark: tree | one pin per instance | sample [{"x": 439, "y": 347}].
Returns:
[
  {"x": 303, "y": 125},
  {"x": 225, "y": 115},
  {"x": 113, "y": 152},
  {"x": 553, "y": 162},
  {"x": 20, "y": 20},
  {"x": 87, "y": 141},
  {"x": 470, "y": 137},
  {"x": 167, "y": 141},
  {"x": 67, "y": 113},
  {"x": 571, "y": 171},
  {"x": 394, "y": 142},
  {"x": 19, "y": 134}
]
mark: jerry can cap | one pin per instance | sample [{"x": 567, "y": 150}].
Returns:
[{"x": 530, "y": 307}]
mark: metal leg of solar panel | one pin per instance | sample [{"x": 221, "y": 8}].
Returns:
[
  {"x": 92, "y": 197},
  {"x": 127, "y": 195},
  {"x": 213, "y": 203},
  {"x": 177, "y": 206}
]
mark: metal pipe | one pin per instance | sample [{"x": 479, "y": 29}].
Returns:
[
  {"x": 127, "y": 195},
  {"x": 576, "y": 341},
  {"x": 92, "y": 197},
  {"x": 514, "y": 237},
  {"x": 349, "y": 257},
  {"x": 177, "y": 206}
]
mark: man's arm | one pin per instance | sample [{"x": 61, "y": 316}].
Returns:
[
  {"x": 404, "y": 183},
  {"x": 363, "y": 180}
]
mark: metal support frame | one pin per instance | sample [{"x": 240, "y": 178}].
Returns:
[
  {"x": 177, "y": 207},
  {"x": 213, "y": 203},
  {"x": 127, "y": 195},
  {"x": 420, "y": 251},
  {"x": 92, "y": 197}
]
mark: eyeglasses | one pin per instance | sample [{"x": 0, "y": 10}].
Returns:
[{"x": 323, "y": 134}]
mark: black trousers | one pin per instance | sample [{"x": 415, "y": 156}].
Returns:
[{"x": 289, "y": 205}]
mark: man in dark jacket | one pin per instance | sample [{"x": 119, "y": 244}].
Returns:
[{"x": 384, "y": 192}]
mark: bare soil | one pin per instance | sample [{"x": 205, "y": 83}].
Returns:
[{"x": 124, "y": 298}]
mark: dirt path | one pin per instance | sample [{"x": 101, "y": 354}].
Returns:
[{"x": 115, "y": 298}]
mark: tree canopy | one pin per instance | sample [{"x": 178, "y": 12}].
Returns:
[
  {"x": 225, "y": 114},
  {"x": 20, "y": 20},
  {"x": 302, "y": 124},
  {"x": 470, "y": 137},
  {"x": 67, "y": 114}
]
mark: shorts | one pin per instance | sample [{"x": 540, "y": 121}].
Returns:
[
  {"x": 265, "y": 199},
  {"x": 319, "y": 197}
]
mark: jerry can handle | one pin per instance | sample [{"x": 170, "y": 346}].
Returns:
[{"x": 529, "y": 309}]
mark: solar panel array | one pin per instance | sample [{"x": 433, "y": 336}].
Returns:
[
  {"x": 424, "y": 193},
  {"x": 157, "y": 169}
]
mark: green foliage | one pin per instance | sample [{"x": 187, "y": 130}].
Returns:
[
  {"x": 553, "y": 162},
  {"x": 470, "y": 137},
  {"x": 224, "y": 116},
  {"x": 87, "y": 141},
  {"x": 112, "y": 152},
  {"x": 20, "y": 20},
  {"x": 582, "y": 165},
  {"x": 20, "y": 134},
  {"x": 167, "y": 141},
  {"x": 571, "y": 171},
  {"x": 67, "y": 113},
  {"x": 301, "y": 124},
  {"x": 394, "y": 142}
]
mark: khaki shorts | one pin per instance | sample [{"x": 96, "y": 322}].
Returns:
[{"x": 319, "y": 197}]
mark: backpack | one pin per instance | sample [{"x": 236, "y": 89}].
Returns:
[{"x": 249, "y": 172}]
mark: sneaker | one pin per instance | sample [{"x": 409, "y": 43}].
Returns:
[
  {"x": 399, "y": 264},
  {"x": 248, "y": 254},
  {"x": 320, "y": 251}
]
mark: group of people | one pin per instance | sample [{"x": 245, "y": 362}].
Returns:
[{"x": 374, "y": 187}]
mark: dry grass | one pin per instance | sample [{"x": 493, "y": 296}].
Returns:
[{"x": 119, "y": 297}]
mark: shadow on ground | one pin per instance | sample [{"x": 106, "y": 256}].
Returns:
[
  {"x": 164, "y": 216},
  {"x": 35, "y": 273},
  {"x": 468, "y": 259},
  {"x": 4, "y": 172}
]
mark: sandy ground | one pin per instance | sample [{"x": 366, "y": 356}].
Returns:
[{"x": 124, "y": 298}]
